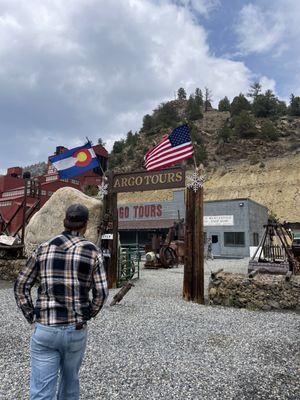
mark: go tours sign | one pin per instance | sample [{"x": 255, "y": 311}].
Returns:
[{"x": 145, "y": 180}]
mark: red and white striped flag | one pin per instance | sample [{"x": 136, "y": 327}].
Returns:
[{"x": 171, "y": 150}]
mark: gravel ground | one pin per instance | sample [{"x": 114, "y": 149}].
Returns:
[{"x": 154, "y": 345}]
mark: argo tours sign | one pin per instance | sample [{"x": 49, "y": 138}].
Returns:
[
  {"x": 140, "y": 211},
  {"x": 154, "y": 180}
]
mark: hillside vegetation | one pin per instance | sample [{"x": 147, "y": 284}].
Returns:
[{"x": 255, "y": 130}]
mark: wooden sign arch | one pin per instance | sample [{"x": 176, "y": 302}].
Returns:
[{"x": 193, "y": 281}]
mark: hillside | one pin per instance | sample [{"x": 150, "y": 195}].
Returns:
[
  {"x": 276, "y": 185},
  {"x": 219, "y": 137},
  {"x": 36, "y": 169}
]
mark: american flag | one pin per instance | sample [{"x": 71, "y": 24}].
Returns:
[{"x": 171, "y": 150}]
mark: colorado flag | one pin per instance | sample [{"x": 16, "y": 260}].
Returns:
[{"x": 75, "y": 161}]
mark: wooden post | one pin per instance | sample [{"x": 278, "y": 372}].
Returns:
[
  {"x": 193, "y": 280},
  {"x": 26, "y": 187},
  {"x": 112, "y": 208}
]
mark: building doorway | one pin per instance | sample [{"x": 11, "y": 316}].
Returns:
[{"x": 216, "y": 246}]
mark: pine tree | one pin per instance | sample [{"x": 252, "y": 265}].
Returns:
[
  {"x": 198, "y": 97},
  {"x": 207, "y": 99},
  {"x": 225, "y": 134},
  {"x": 118, "y": 146},
  {"x": 269, "y": 132},
  {"x": 196, "y": 138},
  {"x": 131, "y": 139},
  {"x": 265, "y": 105},
  {"x": 130, "y": 153},
  {"x": 193, "y": 110},
  {"x": 101, "y": 142},
  {"x": 294, "y": 107},
  {"x": 244, "y": 125},
  {"x": 282, "y": 108},
  {"x": 181, "y": 94},
  {"x": 148, "y": 123},
  {"x": 224, "y": 104},
  {"x": 239, "y": 104},
  {"x": 166, "y": 115},
  {"x": 255, "y": 90},
  {"x": 200, "y": 153}
]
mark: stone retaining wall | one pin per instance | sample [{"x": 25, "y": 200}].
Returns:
[
  {"x": 263, "y": 292},
  {"x": 9, "y": 269}
]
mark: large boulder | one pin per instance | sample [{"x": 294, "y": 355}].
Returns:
[{"x": 48, "y": 221}]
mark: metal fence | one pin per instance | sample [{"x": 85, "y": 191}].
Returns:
[{"x": 129, "y": 262}]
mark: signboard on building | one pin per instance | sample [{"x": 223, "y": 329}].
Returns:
[
  {"x": 107, "y": 236},
  {"x": 140, "y": 211},
  {"x": 141, "y": 181},
  {"x": 218, "y": 220}
]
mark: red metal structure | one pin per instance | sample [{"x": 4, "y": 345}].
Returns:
[{"x": 16, "y": 202}]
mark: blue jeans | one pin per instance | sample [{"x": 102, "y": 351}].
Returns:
[{"x": 56, "y": 351}]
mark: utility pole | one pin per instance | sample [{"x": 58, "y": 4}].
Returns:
[{"x": 193, "y": 279}]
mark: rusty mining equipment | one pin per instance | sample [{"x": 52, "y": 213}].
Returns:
[
  {"x": 168, "y": 253},
  {"x": 121, "y": 293},
  {"x": 12, "y": 240},
  {"x": 275, "y": 253}
]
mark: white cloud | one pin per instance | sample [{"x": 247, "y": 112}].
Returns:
[
  {"x": 258, "y": 30},
  {"x": 266, "y": 28},
  {"x": 267, "y": 84},
  {"x": 203, "y": 7},
  {"x": 272, "y": 30},
  {"x": 93, "y": 68}
]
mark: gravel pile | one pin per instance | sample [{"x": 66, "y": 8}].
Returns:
[{"x": 154, "y": 345}]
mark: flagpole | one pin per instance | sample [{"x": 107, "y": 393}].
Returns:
[
  {"x": 194, "y": 158},
  {"x": 103, "y": 173}
]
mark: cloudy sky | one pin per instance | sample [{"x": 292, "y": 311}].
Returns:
[{"x": 76, "y": 68}]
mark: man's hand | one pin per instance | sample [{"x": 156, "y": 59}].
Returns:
[{"x": 32, "y": 326}]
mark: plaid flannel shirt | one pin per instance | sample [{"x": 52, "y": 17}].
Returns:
[{"x": 65, "y": 268}]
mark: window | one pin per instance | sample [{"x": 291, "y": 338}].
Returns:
[
  {"x": 205, "y": 237},
  {"x": 255, "y": 239},
  {"x": 51, "y": 178},
  {"x": 5, "y": 203},
  {"x": 13, "y": 193},
  {"x": 234, "y": 239}
]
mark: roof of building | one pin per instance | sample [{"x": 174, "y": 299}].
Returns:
[{"x": 236, "y": 199}]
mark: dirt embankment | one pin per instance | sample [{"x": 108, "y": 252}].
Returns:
[{"x": 274, "y": 183}]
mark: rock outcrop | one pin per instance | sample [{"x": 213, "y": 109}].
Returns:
[
  {"x": 263, "y": 292},
  {"x": 48, "y": 221},
  {"x": 274, "y": 183}
]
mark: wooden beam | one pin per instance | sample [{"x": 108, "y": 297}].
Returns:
[
  {"x": 188, "y": 257},
  {"x": 112, "y": 210},
  {"x": 114, "y": 251},
  {"x": 193, "y": 280}
]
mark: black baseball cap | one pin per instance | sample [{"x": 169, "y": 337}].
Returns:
[{"x": 77, "y": 213}]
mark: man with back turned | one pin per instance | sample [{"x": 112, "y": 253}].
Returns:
[{"x": 65, "y": 269}]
